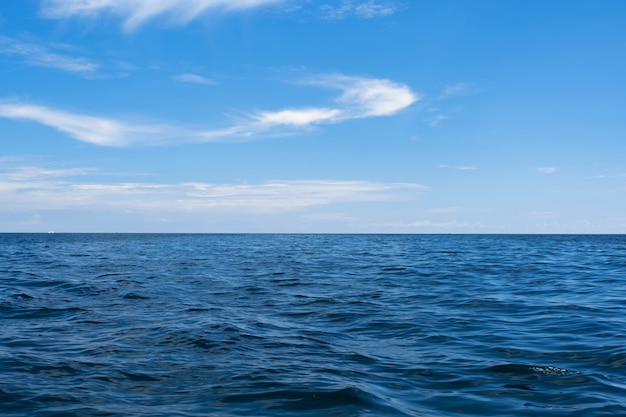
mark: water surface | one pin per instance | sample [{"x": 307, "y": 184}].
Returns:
[{"x": 310, "y": 325}]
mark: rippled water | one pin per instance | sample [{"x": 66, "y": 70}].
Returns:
[{"x": 310, "y": 325}]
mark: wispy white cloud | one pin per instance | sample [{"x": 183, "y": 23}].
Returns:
[
  {"x": 55, "y": 189},
  {"x": 435, "y": 121},
  {"x": 45, "y": 56},
  {"x": 547, "y": 170},
  {"x": 194, "y": 79},
  {"x": 299, "y": 117},
  {"x": 360, "y": 97},
  {"x": 367, "y": 97},
  {"x": 437, "y": 108},
  {"x": 620, "y": 175},
  {"x": 459, "y": 89},
  {"x": 34, "y": 173},
  {"x": 374, "y": 97},
  {"x": 97, "y": 130},
  {"x": 298, "y": 194},
  {"x": 137, "y": 12},
  {"x": 447, "y": 225},
  {"x": 461, "y": 168},
  {"x": 364, "y": 9}
]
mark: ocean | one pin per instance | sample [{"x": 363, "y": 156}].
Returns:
[{"x": 312, "y": 325}]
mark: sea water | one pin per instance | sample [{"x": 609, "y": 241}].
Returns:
[{"x": 312, "y": 325}]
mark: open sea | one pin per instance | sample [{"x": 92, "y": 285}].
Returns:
[{"x": 312, "y": 325}]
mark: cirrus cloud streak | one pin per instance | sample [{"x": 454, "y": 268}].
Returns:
[
  {"x": 43, "y": 56},
  {"x": 137, "y": 12},
  {"x": 194, "y": 79},
  {"x": 364, "y": 9},
  {"x": 360, "y": 97},
  {"x": 66, "y": 189},
  {"x": 96, "y": 130}
]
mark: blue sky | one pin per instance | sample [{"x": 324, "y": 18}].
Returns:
[{"x": 363, "y": 116}]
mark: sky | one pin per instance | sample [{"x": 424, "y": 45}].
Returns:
[{"x": 313, "y": 116}]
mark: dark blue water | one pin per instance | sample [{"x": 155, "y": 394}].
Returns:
[{"x": 312, "y": 325}]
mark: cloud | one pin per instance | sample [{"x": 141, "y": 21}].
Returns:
[
  {"x": 438, "y": 226},
  {"x": 91, "y": 129},
  {"x": 547, "y": 170},
  {"x": 620, "y": 175},
  {"x": 31, "y": 173},
  {"x": 42, "y": 56},
  {"x": 364, "y": 9},
  {"x": 298, "y": 194},
  {"x": 53, "y": 189},
  {"x": 360, "y": 97},
  {"x": 459, "y": 89},
  {"x": 436, "y": 120},
  {"x": 194, "y": 79},
  {"x": 301, "y": 117},
  {"x": 375, "y": 97},
  {"x": 137, "y": 12},
  {"x": 367, "y": 97},
  {"x": 436, "y": 108},
  {"x": 461, "y": 168}
]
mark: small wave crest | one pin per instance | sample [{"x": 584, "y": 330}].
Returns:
[{"x": 521, "y": 369}]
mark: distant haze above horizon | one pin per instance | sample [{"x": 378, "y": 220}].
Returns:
[{"x": 313, "y": 116}]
